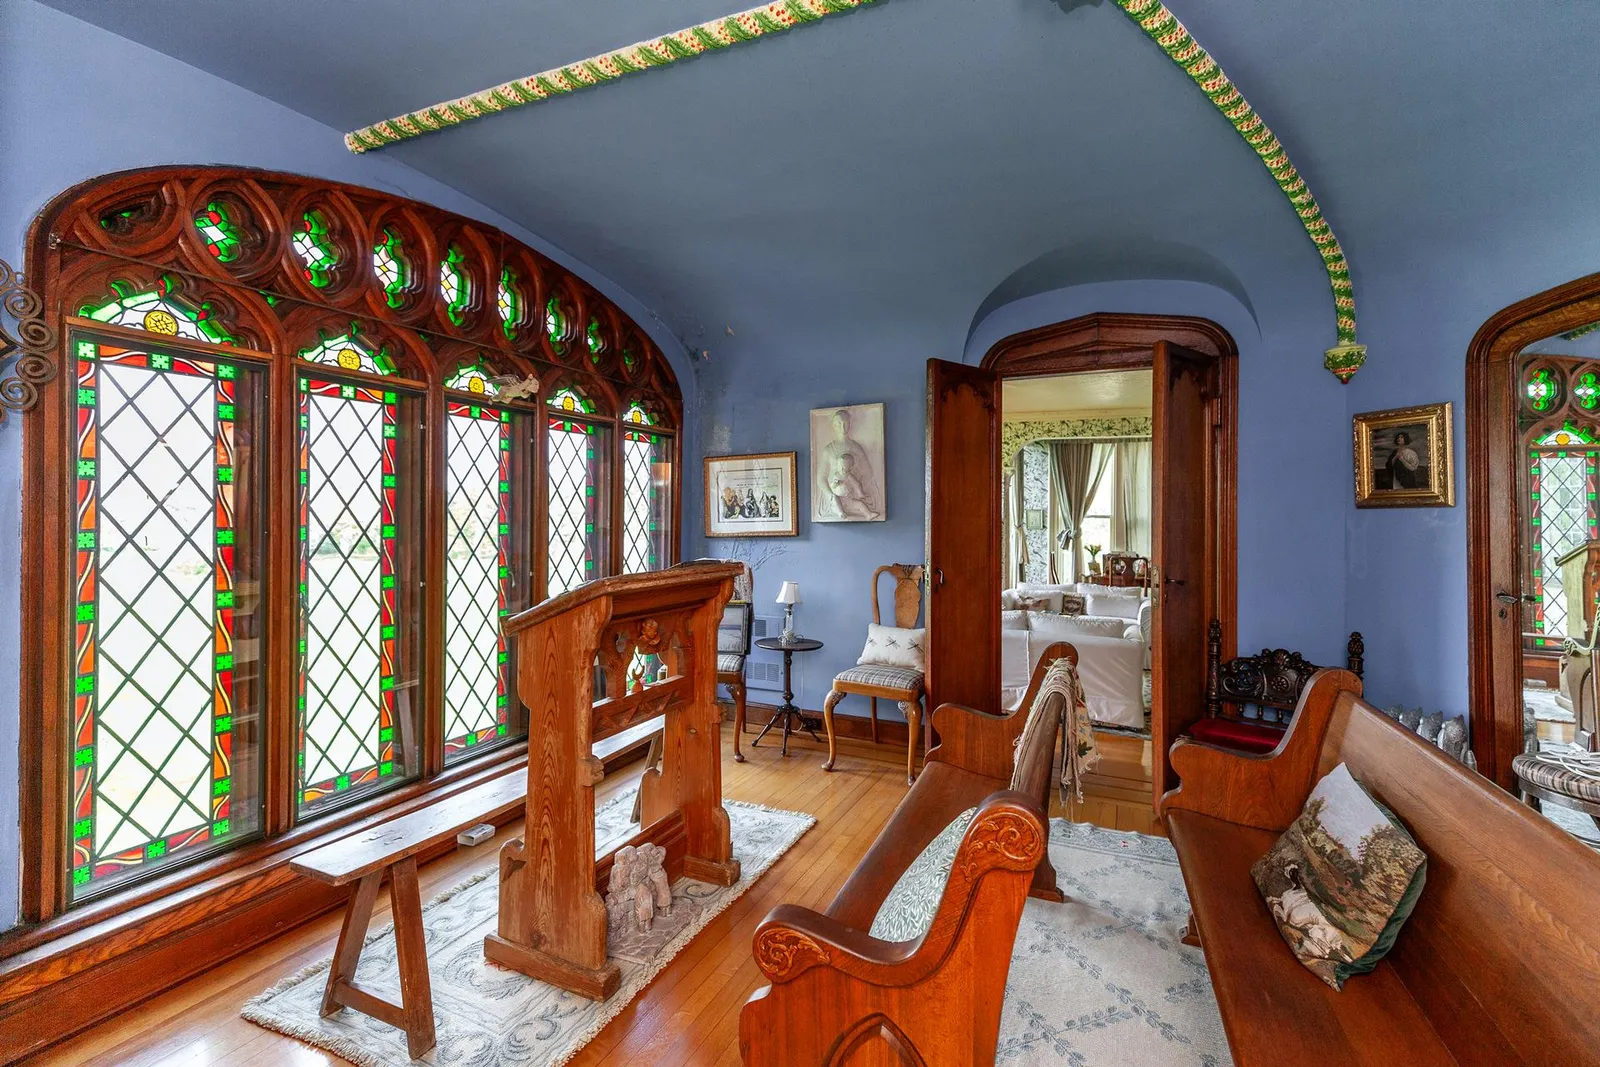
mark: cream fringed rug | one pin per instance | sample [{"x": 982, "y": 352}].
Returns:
[
  {"x": 1103, "y": 979},
  {"x": 486, "y": 1016}
]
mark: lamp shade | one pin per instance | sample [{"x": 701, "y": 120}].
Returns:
[{"x": 790, "y": 593}]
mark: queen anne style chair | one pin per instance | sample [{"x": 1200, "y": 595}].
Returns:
[{"x": 875, "y": 680}]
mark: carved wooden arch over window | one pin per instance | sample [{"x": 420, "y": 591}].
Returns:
[{"x": 305, "y": 460}]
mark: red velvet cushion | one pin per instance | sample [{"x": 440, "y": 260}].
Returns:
[{"x": 1230, "y": 733}]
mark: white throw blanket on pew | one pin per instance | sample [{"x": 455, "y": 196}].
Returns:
[{"x": 1079, "y": 754}]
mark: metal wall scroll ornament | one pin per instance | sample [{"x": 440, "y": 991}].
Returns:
[{"x": 32, "y": 344}]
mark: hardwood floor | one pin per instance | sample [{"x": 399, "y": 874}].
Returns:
[{"x": 689, "y": 1015}]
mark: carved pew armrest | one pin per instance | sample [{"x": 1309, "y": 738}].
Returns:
[
  {"x": 984, "y": 742},
  {"x": 1008, "y": 833},
  {"x": 1266, "y": 790}
]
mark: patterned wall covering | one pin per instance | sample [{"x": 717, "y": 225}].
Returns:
[
  {"x": 1013, "y": 435},
  {"x": 1036, "y": 494}
]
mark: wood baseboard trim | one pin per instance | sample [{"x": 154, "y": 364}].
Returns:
[{"x": 854, "y": 727}]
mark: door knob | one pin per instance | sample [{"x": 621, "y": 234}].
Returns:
[
  {"x": 1173, "y": 581},
  {"x": 1525, "y": 598}
]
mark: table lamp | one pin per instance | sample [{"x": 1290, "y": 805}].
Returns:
[{"x": 789, "y": 596}]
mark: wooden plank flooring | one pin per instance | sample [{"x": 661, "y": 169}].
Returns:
[{"x": 690, "y": 1014}]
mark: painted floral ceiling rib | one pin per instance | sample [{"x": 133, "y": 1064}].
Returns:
[
  {"x": 709, "y": 36},
  {"x": 1152, "y": 16},
  {"x": 1163, "y": 27}
]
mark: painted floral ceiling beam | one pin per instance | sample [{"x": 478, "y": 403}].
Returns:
[
  {"x": 710, "y": 36},
  {"x": 1163, "y": 27}
]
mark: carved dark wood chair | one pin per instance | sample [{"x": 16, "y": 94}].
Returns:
[{"x": 1268, "y": 683}]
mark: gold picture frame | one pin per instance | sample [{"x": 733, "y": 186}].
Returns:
[
  {"x": 1405, "y": 458},
  {"x": 751, "y": 496}
]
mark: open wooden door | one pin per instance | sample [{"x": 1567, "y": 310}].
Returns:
[
  {"x": 1183, "y": 548},
  {"x": 963, "y": 536}
]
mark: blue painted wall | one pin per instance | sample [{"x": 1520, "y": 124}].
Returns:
[{"x": 82, "y": 102}]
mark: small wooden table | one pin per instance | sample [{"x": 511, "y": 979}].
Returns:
[{"x": 788, "y": 711}]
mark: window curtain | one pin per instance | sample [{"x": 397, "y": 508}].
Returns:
[
  {"x": 1076, "y": 468},
  {"x": 1019, "y": 522},
  {"x": 1130, "y": 517}
]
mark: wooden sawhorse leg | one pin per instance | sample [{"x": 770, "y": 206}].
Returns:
[{"x": 414, "y": 1013}]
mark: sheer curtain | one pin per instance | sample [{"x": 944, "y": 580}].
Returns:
[
  {"x": 1130, "y": 517},
  {"x": 1076, "y": 468}
]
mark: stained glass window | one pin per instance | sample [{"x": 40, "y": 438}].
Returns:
[
  {"x": 164, "y": 762},
  {"x": 222, "y": 237},
  {"x": 646, "y": 493},
  {"x": 349, "y": 351},
  {"x": 455, "y": 285},
  {"x": 555, "y": 324},
  {"x": 478, "y": 577},
  {"x": 570, "y": 400},
  {"x": 160, "y": 310},
  {"x": 352, "y": 719},
  {"x": 593, "y": 339},
  {"x": 1541, "y": 390},
  {"x": 316, "y": 249},
  {"x": 508, "y": 301},
  {"x": 576, "y": 504},
  {"x": 389, "y": 263},
  {"x": 472, "y": 377},
  {"x": 1587, "y": 391}
]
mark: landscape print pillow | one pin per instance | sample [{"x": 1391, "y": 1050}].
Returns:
[{"x": 1341, "y": 880}]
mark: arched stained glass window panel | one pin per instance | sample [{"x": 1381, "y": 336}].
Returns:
[
  {"x": 389, "y": 264},
  {"x": 472, "y": 378},
  {"x": 646, "y": 499},
  {"x": 478, "y": 701},
  {"x": 316, "y": 249},
  {"x": 349, "y": 352},
  {"x": 570, "y": 400},
  {"x": 1563, "y": 513},
  {"x": 222, "y": 237},
  {"x": 353, "y": 613},
  {"x": 576, "y": 504},
  {"x": 509, "y": 302},
  {"x": 162, "y": 771},
  {"x": 555, "y": 324},
  {"x": 455, "y": 285},
  {"x": 160, "y": 310}
]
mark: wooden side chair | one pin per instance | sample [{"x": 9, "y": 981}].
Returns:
[
  {"x": 873, "y": 680},
  {"x": 1271, "y": 682}
]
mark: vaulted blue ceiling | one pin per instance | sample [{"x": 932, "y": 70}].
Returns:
[{"x": 892, "y": 171}]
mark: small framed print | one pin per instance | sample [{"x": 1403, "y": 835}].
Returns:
[
  {"x": 751, "y": 496},
  {"x": 1403, "y": 458}
]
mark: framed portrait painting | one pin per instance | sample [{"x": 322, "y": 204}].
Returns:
[
  {"x": 847, "y": 472},
  {"x": 1403, "y": 458},
  {"x": 751, "y": 496}
]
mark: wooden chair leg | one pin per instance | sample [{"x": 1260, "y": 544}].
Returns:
[
  {"x": 834, "y": 696},
  {"x": 416, "y": 991},
  {"x": 738, "y": 719},
  {"x": 913, "y": 712},
  {"x": 652, "y": 761},
  {"x": 874, "y": 720},
  {"x": 352, "y": 936},
  {"x": 1190, "y": 934}
]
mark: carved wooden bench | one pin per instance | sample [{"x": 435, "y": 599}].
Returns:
[
  {"x": 1497, "y": 965},
  {"x": 839, "y": 995},
  {"x": 394, "y": 846}
]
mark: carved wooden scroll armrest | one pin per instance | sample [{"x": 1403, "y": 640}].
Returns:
[
  {"x": 1266, "y": 790},
  {"x": 982, "y": 742},
  {"x": 1007, "y": 834}
]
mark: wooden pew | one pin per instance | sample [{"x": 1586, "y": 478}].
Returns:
[
  {"x": 1498, "y": 965},
  {"x": 839, "y": 995}
]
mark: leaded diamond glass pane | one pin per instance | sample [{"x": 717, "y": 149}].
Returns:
[
  {"x": 477, "y": 517},
  {"x": 573, "y": 548},
  {"x": 645, "y": 492},
  {"x": 1563, "y": 514},
  {"x": 349, "y": 631},
  {"x": 154, "y": 748}
]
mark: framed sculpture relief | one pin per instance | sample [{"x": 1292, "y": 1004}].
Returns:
[
  {"x": 847, "y": 471},
  {"x": 751, "y": 496},
  {"x": 1404, "y": 458}
]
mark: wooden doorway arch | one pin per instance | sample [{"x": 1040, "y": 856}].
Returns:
[
  {"x": 1494, "y": 561},
  {"x": 1107, "y": 341}
]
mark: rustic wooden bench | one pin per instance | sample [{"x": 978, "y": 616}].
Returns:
[
  {"x": 1499, "y": 963},
  {"x": 394, "y": 846},
  {"x": 838, "y": 994}
]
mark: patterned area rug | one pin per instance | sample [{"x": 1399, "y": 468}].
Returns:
[
  {"x": 486, "y": 1016},
  {"x": 1103, "y": 979},
  {"x": 1543, "y": 703}
]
